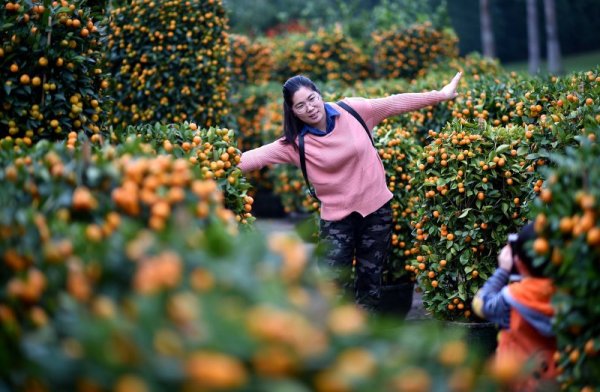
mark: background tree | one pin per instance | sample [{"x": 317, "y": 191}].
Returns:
[
  {"x": 359, "y": 18},
  {"x": 577, "y": 26},
  {"x": 533, "y": 37},
  {"x": 552, "y": 42},
  {"x": 487, "y": 33}
]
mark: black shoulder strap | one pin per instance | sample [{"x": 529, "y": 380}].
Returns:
[
  {"x": 357, "y": 116},
  {"x": 303, "y": 166}
]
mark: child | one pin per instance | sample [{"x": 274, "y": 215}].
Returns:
[{"x": 523, "y": 312}]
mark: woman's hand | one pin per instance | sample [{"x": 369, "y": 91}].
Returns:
[{"x": 449, "y": 90}]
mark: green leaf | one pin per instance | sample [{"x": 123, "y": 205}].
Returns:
[
  {"x": 502, "y": 148},
  {"x": 461, "y": 292},
  {"x": 465, "y": 212},
  {"x": 522, "y": 150},
  {"x": 66, "y": 10},
  {"x": 8, "y": 88}
]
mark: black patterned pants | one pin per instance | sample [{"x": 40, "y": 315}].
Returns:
[{"x": 364, "y": 239}]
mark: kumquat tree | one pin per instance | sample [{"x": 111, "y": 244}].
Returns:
[
  {"x": 133, "y": 257},
  {"x": 51, "y": 70}
]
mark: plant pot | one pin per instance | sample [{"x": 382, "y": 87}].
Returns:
[
  {"x": 483, "y": 336},
  {"x": 396, "y": 299},
  {"x": 267, "y": 205},
  {"x": 306, "y": 225}
]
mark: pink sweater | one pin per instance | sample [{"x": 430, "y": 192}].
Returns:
[{"x": 343, "y": 167}]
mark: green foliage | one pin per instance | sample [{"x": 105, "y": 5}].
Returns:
[
  {"x": 88, "y": 224},
  {"x": 257, "y": 17},
  {"x": 123, "y": 268},
  {"x": 567, "y": 223},
  {"x": 170, "y": 62},
  {"x": 465, "y": 194},
  {"x": 324, "y": 55},
  {"x": 289, "y": 184},
  {"x": 399, "y": 152},
  {"x": 52, "y": 81},
  {"x": 258, "y": 115},
  {"x": 211, "y": 150},
  {"x": 388, "y": 14},
  {"x": 357, "y": 18},
  {"x": 123, "y": 271},
  {"x": 251, "y": 61},
  {"x": 472, "y": 65},
  {"x": 408, "y": 52},
  {"x": 474, "y": 190}
]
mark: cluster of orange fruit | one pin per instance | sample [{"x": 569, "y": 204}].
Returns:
[
  {"x": 40, "y": 83},
  {"x": 468, "y": 178},
  {"x": 409, "y": 52},
  {"x": 170, "y": 62},
  {"x": 322, "y": 56},
  {"x": 252, "y": 62}
]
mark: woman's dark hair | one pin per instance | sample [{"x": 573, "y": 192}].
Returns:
[
  {"x": 522, "y": 247},
  {"x": 291, "y": 123}
]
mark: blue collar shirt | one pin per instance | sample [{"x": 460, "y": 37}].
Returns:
[{"x": 330, "y": 114}]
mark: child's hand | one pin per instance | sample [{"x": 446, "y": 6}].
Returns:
[{"x": 505, "y": 259}]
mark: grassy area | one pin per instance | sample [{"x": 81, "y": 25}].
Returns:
[{"x": 572, "y": 63}]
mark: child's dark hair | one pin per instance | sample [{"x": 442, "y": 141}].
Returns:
[{"x": 522, "y": 248}]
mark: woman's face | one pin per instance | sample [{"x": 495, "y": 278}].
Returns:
[{"x": 308, "y": 106}]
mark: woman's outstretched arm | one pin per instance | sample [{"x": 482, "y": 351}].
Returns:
[
  {"x": 272, "y": 153},
  {"x": 379, "y": 109}
]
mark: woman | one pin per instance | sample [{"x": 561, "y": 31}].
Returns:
[{"x": 346, "y": 172}]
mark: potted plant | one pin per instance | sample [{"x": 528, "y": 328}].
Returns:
[
  {"x": 474, "y": 183},
  {"x": 398, "y": 150}
]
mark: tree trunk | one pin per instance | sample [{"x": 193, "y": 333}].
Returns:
[
  {"x": 533, "y": 37},
  {"x": 552, "y": 43},
  {"x": 487, "y": 34}
]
